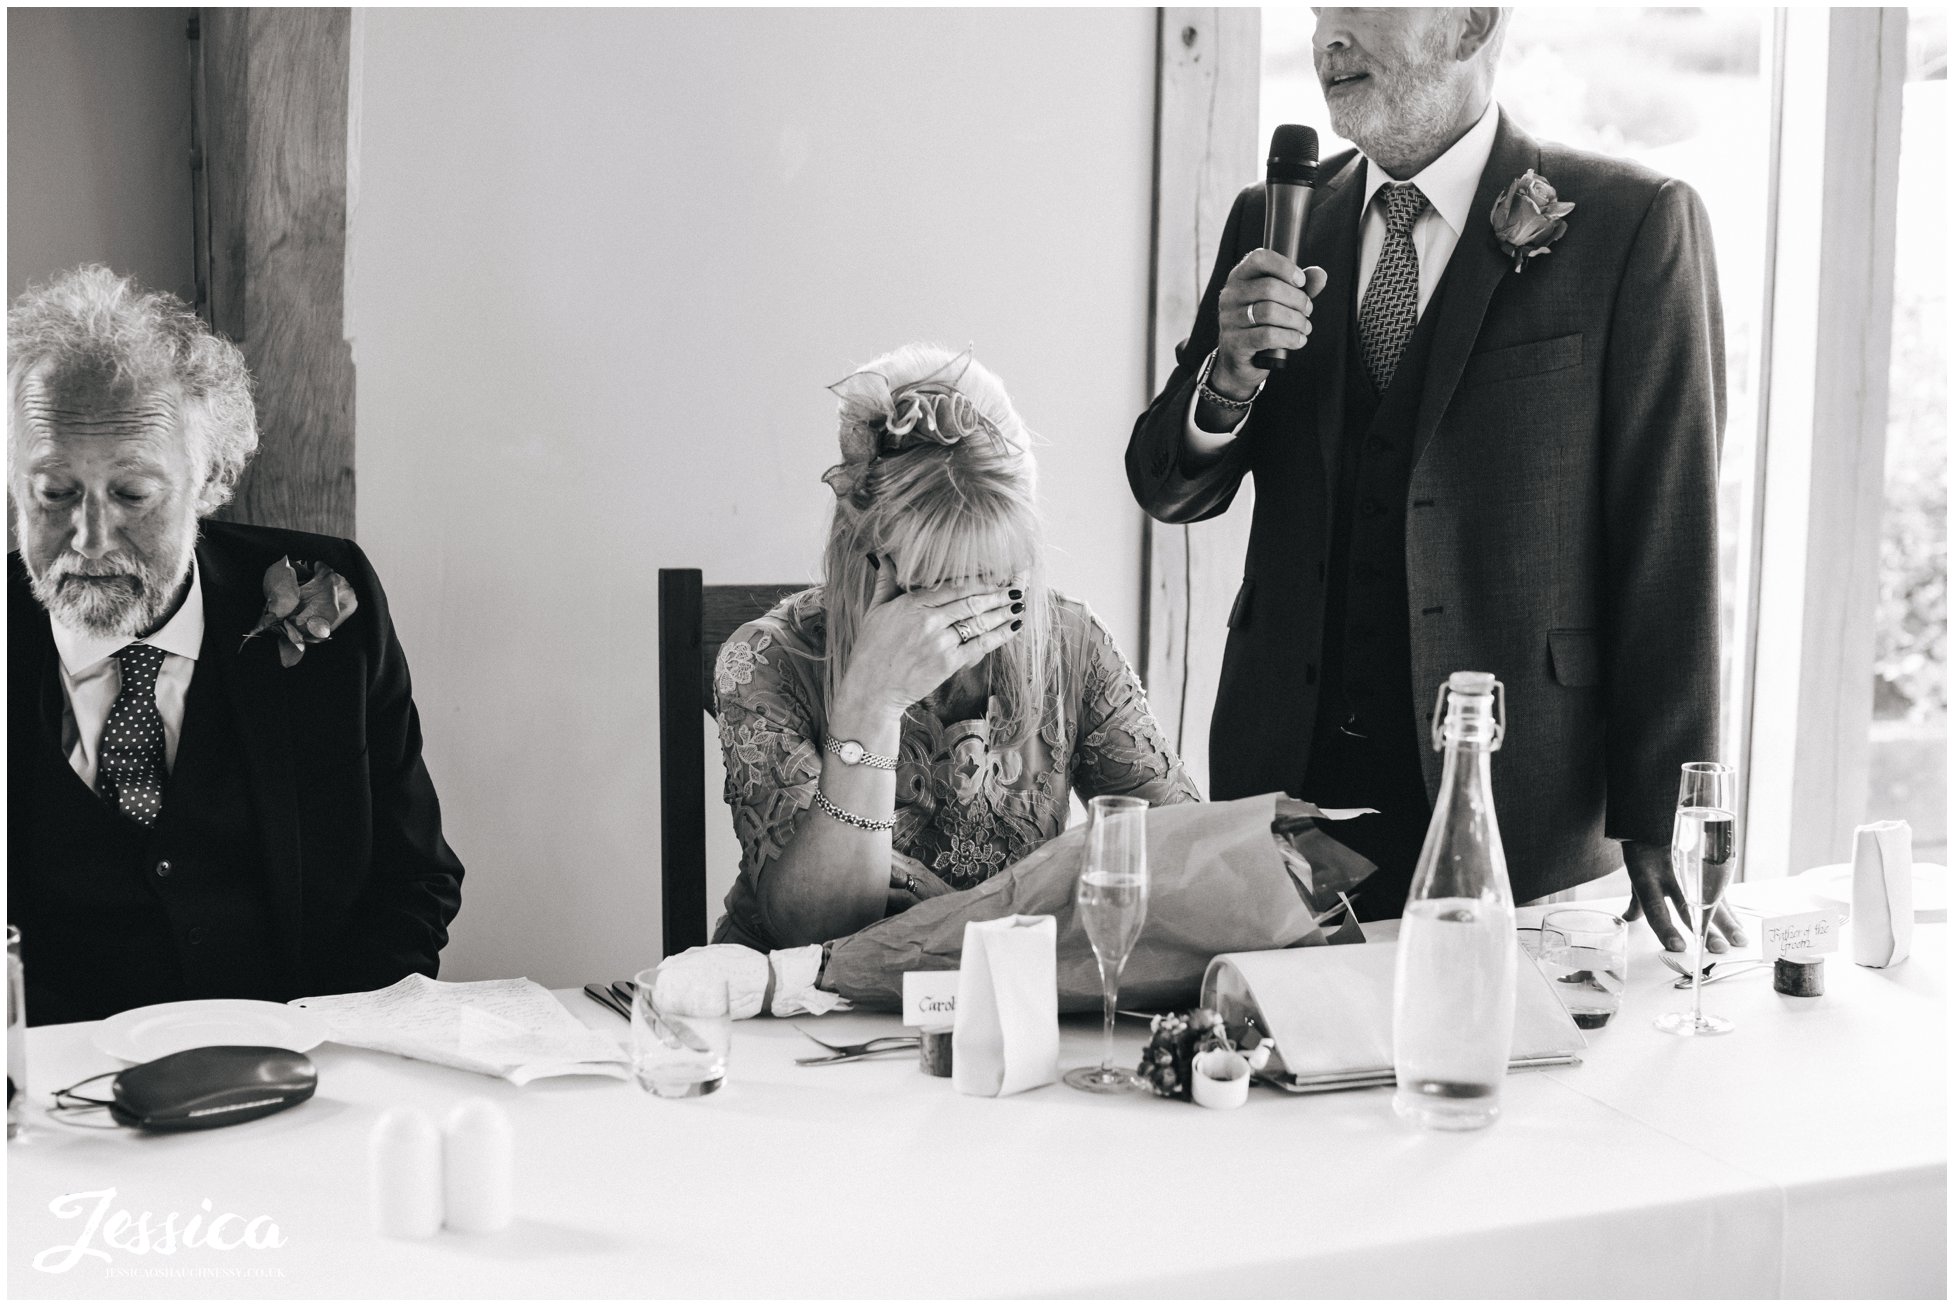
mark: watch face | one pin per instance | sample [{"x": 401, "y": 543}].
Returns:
[{"x": 851, "y": 752}]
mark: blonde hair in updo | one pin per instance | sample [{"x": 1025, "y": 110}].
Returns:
[{"x": 966, "y": 510}]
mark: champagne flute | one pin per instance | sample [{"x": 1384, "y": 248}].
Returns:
[
  {"x": 1113, "y": 905},
  {"x": 1703, "y": 854}
]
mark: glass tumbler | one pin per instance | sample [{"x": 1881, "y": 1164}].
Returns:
[
  {"x": 1584, "y": 951},
  {"x": 16, "y": 1037},
  {"x": 681, "y": 1029}
]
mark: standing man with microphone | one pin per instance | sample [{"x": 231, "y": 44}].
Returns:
[{"x": 1492, "y": 445}]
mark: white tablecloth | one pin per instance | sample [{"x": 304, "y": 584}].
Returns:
[{"x": 1803, "y": 1155}]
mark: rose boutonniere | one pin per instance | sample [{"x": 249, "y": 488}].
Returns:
[
  {"x": 1528, "y": 217},
  {"x": 304, "y": 604}
]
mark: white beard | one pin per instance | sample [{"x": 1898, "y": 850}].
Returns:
[
  {"x": 132, "y": 603},
  {"x": 1400, "y": 113}
]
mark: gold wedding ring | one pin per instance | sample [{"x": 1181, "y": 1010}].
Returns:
[
  {"x": 963, "y": 629},
  {"x": 1251, "y": 315}
]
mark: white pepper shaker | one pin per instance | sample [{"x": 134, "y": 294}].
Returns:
[
  {"x": 479, "y": 1151},
  {"x": 404, "y": 1157}
]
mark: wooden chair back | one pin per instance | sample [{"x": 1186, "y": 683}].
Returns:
[{"x": 694, "y": 619}]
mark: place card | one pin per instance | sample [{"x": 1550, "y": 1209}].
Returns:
[
  {"x": 1816, "y": 931},
  {"x": 929, "y": 998}
]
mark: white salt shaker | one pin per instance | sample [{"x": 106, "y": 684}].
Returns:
[
  {"x": 404, "y": 1156},
  {"x": 480, "y": 1167}
]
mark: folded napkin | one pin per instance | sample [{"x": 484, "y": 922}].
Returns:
[
  {"x": 1329, "y": 1009},
  {"x": 1006, "y": 1037},
  {"x": 1882, "y": 893},
  {"x": 780, "y": 982},
  {"x": 514, "y": 1029}
]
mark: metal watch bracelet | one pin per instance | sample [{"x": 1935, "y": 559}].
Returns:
[
  {"x": 1215, "y": 397},
  {"x": 852, "y": 753}
]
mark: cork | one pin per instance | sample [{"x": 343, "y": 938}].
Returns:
[
  {"x": 935, "y": 1049},
  {"x": 1801, "y": 976}
]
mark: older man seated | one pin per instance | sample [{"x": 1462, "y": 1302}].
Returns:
[{"x": 194, "y": 814}]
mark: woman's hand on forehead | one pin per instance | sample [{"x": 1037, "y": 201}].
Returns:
[{"x": 954, "y": 591}]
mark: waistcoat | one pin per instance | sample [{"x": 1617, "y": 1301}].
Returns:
[
  {"x": 1365, "y": 741},
  {"x": 113, "y": 915}
]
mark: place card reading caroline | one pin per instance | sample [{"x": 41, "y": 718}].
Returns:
[{"x": 929, "y": 998}]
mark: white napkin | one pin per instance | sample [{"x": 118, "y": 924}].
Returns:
[
  {"x": 1006, "y": 1036},
  {"x": 510, "y": 1028},
  {"x": 1882, "y": 893},
  {"x": 780, "y": 982}
]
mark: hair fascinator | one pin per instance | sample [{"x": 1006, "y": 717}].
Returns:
[{"x": 877, "y": 419}]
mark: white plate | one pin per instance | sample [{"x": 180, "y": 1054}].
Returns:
[
  {"x": 1777, "y": 898},
  {"x": 1834, "y": 884},
  {"x": 146, "y": 1033}
]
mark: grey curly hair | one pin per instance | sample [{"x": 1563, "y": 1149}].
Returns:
[{"x": 91, "y": 322}]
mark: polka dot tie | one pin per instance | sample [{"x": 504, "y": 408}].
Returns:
[
  {"x": 1390, "y": 309},
  {"x": 130, "y": 772}
]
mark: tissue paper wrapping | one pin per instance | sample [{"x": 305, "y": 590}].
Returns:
[{"x": 1219, "y": 885}]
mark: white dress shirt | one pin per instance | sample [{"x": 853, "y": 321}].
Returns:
[
  {"x": 91, "y": 677},
  {"x": 1449, "y": 183}
]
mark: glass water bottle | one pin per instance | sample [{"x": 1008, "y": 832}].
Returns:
[{"x": 1452, "y": 1009}]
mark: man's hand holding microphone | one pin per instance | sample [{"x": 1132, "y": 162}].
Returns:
[
  {"x": 1265, "y": 305},
  {"x": 1263, "y": 315}
]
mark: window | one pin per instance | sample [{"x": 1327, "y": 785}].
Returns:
[{"x": 1908, "y": 771}]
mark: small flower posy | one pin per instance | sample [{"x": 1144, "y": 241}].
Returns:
[
  {"x": 1528, "y": 217},
  {"x": 1176, "y": 1039},
  {"x": 304, "y": 604}
]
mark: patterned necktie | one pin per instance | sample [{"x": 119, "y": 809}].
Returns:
[
  {"x": 1391, "y": 301},
  {"x": 131, "y": 767}
]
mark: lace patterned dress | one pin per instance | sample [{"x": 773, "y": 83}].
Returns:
[{"x": 963, "y": 810}]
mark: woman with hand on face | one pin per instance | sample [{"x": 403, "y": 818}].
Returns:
[{"x": 917, "y": 723}]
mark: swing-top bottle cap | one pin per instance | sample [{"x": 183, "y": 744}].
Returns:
[{"x": 1476, "y": 714}]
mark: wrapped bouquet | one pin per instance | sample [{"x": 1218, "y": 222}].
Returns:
[{"x": 1249, "y": 874}]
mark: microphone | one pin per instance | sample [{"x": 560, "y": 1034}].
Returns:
[{"x": 1291, "y": 187}]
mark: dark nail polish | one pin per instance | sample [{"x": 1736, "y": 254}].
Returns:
[
  {"x": 875, "y": 562},
  {"x": 1017, "y": 594},
  {"x": 1017, "y": 608},
  {"x": 1016, "y": 625}
]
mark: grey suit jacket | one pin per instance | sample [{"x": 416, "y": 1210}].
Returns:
[{"x": 1561, "y": 523}]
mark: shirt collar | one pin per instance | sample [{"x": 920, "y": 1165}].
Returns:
[
  {"x": 1452, "y": 179},
  {"x": 182, "y": 635}
]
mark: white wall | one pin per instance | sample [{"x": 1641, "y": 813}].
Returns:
[
  {"x": 603, "y": 265},
  {"x": 98, "y": 144}
]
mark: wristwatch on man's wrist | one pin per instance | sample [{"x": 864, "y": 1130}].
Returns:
[{"x": 852, "y": 753}]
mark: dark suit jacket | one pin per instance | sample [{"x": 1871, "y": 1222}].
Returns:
[
  {"x": 361, "y": 884},
  {"x": 1561, "y": 515}
]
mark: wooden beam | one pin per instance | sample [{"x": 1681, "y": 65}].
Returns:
[
  {"x": 1205, "y": 150},
  {"x": 1830, "y": 323},
  {"x": 275, "y": 113}
]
